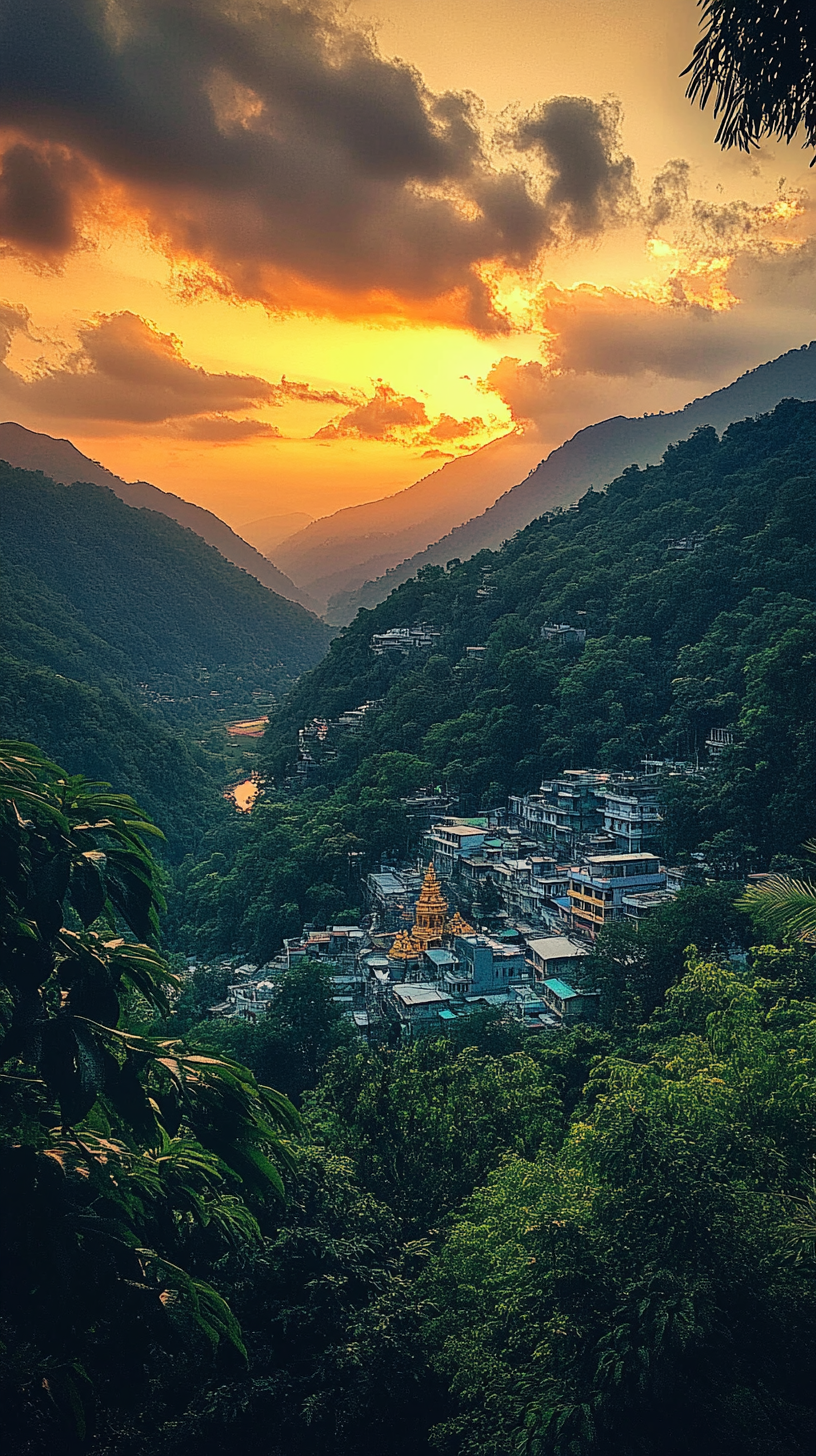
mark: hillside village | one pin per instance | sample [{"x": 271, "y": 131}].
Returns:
[{"x": 498, "y": 911}]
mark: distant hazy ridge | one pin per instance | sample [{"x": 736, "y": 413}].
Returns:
[{"x": 595, "y": 456}]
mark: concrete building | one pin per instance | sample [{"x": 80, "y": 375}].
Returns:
[
  {"x": 450, "y": 840},
  {"x": 640, "y": 905},
  {"x": 389, "y": 897},
  {"x": 340, "y": 944},
  {"x": 717, "y": 740},
  {"x": 418, "y": 1006},
  {"x": 567, "y": 1003},
  {"x": 489, "y": 965},
  {"x": 428, "y": 806},
  {"x": 597, "y": 888},
  {"x": 563, "y": 811},
  {"x": 563, "y": 635},
  {"x": 629, "y": 812},
  {"x": 555, "y": 956},
  {"x": 404, "y": 639},
  {"x": 530, "y": 1008}
]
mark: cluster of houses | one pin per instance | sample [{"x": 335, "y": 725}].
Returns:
[
  {"x": 536, "y": 884},
  {"x": 316, "y": 739},
  {"x": 427, "y": 974}
]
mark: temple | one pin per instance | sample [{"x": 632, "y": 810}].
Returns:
[
  {"x": 431, "y": 915},
  {"x": 431, "y": 925}
]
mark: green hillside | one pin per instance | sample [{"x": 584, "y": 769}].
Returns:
[
  {"x": 126, "y": 637},
  {"x": 177, "y": 612},
  {"x": 678, "y": 643}
]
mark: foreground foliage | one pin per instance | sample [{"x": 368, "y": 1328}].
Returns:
[
  {"x": 598, "y": 1245},
  {"x": 636, "y": 1291},
  {"x": 593, "y": 1243},
  {"x": 758, "y": 60},
  {"x": 119, "y": 1151}
]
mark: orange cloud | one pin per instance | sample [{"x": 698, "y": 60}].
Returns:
[{"x": 399, "y": 418}]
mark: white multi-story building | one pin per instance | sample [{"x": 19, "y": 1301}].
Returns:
[
  {"x": 404, "y": 639},
  {"x": 450, "y": 840},
  {"x": 597, "y": 888},
  {"x": 630, "y": 813}
]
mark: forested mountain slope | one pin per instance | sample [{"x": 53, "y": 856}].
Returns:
[
  {"x": 679, "y": 641},
  {"x": 62, "y": 462},
  {"x": 120, "y": 628},
  {"x": 593, "y": 457}
]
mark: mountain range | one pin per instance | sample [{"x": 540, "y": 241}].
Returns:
[
  {"x": 62, "y": 462},
  {"x": 693, "y": 581},
  {"x": 126, "y": 639},
  {"x": 337, "y": 553},
  {"x": 593, "y": 456}
]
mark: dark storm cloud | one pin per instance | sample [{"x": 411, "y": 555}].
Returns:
[
  {"x": 603, "y": 331},
  {"x": 668, "y": 195},
  {"x": 37, "y": 187},
  {"x": 272, "y": 141},
  {"x": 591, "y": 182}
]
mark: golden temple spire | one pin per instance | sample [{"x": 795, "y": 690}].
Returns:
[
  {"x": 458, "y": 926},
  {"x": 431, "y": 914}
]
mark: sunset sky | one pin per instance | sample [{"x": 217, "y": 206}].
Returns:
[{"x": 291, "y": 257}]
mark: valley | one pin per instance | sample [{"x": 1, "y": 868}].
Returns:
[
  {"x": 407, "y": 864},
  {"x": 478, "y": 885}
]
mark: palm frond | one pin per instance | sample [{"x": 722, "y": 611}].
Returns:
[{"x": 787, "y": 905}]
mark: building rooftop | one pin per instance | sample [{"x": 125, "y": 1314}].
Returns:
[
  {"x": 556, "y": 948},
  {"x": 648, "y": 899},
  {"x": 562, "y": 989},
  {"x": 387, "y": 883},
  {"x": 420, "y": 995},
  {"x": 619, "y": 858},
  {"x": 441, "y": 957}
]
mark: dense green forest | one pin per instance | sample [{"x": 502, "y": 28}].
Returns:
[
  {"x": 126, "y": 638},
  {"x": 678, "y": 643},
  {"x": 595, "y": 1242},
  {"x": 600, "y": 1242}
]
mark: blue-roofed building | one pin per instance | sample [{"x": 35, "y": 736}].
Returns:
[{"x": 568, "y": 1003}]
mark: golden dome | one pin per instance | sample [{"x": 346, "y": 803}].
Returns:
[
  {"x": 458, "y": 926},
  {"x": 403, "y": 948}
]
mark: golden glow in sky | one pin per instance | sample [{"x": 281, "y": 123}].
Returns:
[{"x": 301, "y": 265}]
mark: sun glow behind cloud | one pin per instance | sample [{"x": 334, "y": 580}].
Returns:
[{"x": 302, "y": 274}]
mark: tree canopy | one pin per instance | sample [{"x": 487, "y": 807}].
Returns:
[{"x": 117, "y": 1149}]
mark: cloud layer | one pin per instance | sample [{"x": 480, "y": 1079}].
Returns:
[
  {"x": 125, "y": 371},
  {"x": 398, "y": 418},
  {"x": 272, "y": 146}
]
